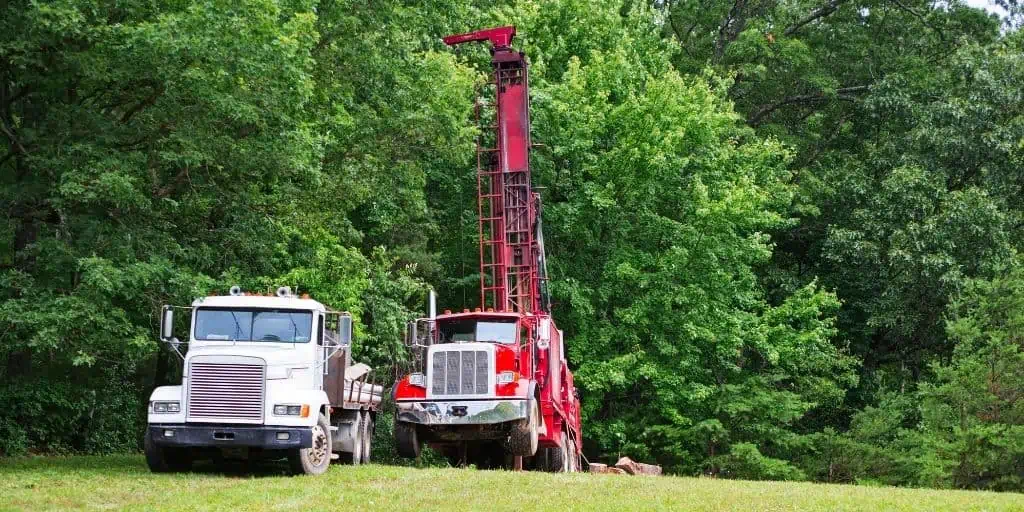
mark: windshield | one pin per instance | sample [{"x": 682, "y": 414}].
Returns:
[
  {"x": 239, "y": 324},
  {"x": 472, "y": 330}
]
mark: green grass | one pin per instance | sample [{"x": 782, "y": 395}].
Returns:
[{"x": 123, "y": 482}]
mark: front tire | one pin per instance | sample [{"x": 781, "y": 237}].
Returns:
[
  {"x": 316, "y": 459},
  {"x": 525, "y": 435},
  {"x": 165, "y": 460}
]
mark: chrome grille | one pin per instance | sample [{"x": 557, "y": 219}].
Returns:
[
  {"x": 226, "y": 391},
  {"x": 460, "y": 372}
]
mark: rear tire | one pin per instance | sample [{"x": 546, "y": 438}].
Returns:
[
  {"x": 525, "y": 435},
  {"x": 407, "y": 440},
  {"x": 367, "y": 437},
  {"x": 558, "y": 457},
  {"x": 356, "y": 455},
  {"x": 316, "y": 459},
  {"x": 165, "y": 460}
]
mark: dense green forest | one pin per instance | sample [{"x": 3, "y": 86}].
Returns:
[{"x": 784, "y": 236}]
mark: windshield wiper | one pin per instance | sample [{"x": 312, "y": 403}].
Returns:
[
  {"x": 295, "y": 327},
  {"x": 238, "y": 327}
]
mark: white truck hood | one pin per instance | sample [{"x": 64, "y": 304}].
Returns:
[{"x": 273, "y": 354}]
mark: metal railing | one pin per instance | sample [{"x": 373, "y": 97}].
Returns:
[{"x": 362, "y": 382}]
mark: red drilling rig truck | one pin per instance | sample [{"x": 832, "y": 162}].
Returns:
[{"x": 491, "y": 386}]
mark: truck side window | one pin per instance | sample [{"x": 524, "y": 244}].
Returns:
[{"x": 320, "y": 329}]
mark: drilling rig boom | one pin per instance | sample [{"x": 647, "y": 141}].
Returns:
[{"x": 510, "y": 254}]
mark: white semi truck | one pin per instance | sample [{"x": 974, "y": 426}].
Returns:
[{"x": 264, "y": 377}]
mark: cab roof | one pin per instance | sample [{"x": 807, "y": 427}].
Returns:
[
  {"x": 508, "y": 315},
  {"x": 258, "y": 301}
]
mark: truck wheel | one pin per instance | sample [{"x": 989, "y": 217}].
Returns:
[
  {"x": 558, "y": 457},
  {"x": 358, "y": 427},
  {"x": 526, "y": 433},
  {"x": 367, "y": 437},
  {"x": 407, "y": 440},
  {"x": 165, "y": 460},
  {"x": 316, "y": 459}
]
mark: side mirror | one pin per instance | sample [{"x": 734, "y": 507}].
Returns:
[
  {"x": 167, "y": 324},
  {"x": 410, "y": 333},
  {"x": 344, "y": 330}
]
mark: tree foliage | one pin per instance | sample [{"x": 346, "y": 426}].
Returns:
[{"x": 973, "y": 412}]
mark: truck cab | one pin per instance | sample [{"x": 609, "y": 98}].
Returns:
[
  {"x": 470, "y": 371},
  {"x": 264, "y": 377}
]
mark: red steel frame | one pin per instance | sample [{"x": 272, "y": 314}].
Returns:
[{"x": 508, "y": 208}]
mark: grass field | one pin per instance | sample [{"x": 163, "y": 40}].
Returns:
[{"x": 123, "y": 482}]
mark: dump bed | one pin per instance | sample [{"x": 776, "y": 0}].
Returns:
[{"x": 351, "y": 385}]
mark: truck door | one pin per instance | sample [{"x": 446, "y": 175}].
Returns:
[{"x": 332, "y": 380}]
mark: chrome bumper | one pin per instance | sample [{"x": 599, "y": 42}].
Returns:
[
  {"x": 464, "y": 412},
  {"x": 222, "y": 436}
]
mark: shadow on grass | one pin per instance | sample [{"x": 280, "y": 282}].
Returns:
[
  {"x": 106, "y": 465},
  {"x": 241, "y": 468},
  {"x": 135, "y": 465}
]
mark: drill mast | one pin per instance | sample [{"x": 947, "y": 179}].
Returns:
[{"x": 512, "y": 267}]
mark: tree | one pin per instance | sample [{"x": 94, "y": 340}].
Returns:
[{"x": 973, "y": 411}]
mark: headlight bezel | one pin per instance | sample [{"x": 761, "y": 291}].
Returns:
[
  {"x": 165, "y": 406},
  {"x": 291, "y": 410}
]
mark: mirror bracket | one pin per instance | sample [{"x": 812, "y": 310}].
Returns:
[
  {"x": 413, "y": 330},
  {"x": 344, "y": 332},
  {"x": 175, "y": 345},
  {"x": 167, "y": 329}
]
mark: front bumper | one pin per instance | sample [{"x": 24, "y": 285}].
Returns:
[
  {"x": 462, "y": 412},
  {"x": 220, "y": 436}
]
